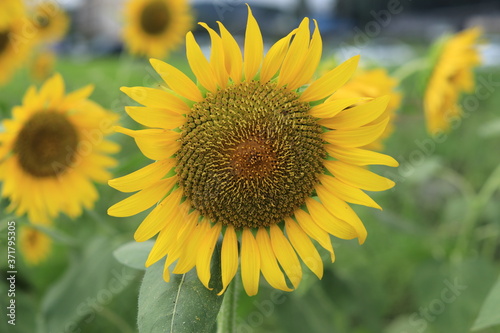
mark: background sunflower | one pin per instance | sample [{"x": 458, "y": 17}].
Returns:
[
  {"x": 153, "y": 28},
  {"x": 52, "y": 150}
]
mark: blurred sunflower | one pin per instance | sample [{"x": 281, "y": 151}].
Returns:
[
  {"x": 250, "y": 160},
  {"x": 50, "y": 21},
  {"x": 51, "y": 151},
  {"x": 155, "y": 27},
  {"x": 451, "y": 76},
  {"x": 14, "y": 47},
  {"x": 374, "y": 83},
  {"x": 35, "y": 245},
  {"x": 42, "y": 65},
  {"x": 10, "y": 9}
]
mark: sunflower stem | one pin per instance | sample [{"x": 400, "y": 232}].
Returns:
[
  {"x": 476, "y": 208},
  {"x": 411, "y": 68},
  {"x": 226, "y": 320}
]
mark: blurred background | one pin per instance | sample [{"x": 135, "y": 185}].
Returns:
[{"x": 432, "y": 255}]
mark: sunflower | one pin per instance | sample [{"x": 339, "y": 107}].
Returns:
[
  {"x": 156, "y": 27},
  {"x": 14, "y": 47},
  {"x": 50, "y": 21},
  {"x": 374, "y": 83},
  {"x": 452, "y": 75},
  {"x": 42, "y": 65},
  {"x": 51, "y": 151},
  {"x": 10, "y": 9},
  {"x": 249, "y": 155},
  {"x": 35, "y": 246}
]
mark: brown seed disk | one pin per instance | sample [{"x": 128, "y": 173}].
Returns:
[
  {"x": 155, "y": 18},
  {"x": 250, "y": 155},
  {"x": 46, "y": 144}
]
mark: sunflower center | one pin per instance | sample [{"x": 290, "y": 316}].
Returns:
[
  {"x": 46, "y": 144},
  {"x": 250, "y": 155},
  {"x": 4, "y": 40},
  {"x": 155, "y": 17},
  {"x": 42, "y": 21}
]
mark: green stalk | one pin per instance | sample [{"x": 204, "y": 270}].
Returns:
[
  {"x": 226, "y": 320},
  {"x": 475, "y": 210}
]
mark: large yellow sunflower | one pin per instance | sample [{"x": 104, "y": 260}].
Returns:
[
  {"x": 14, "y": 44},
  {"x": 35, "y": 246},
  {"x": 50, "y": 21},
  {"x": 374, "y": 83},
  {"x": 51, "y": 151},
  {"x": 155, "y": 27},
  {"x": 251, "y": 156},
  {"x": 452, "y": 75}
]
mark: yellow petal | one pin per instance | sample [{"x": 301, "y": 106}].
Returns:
[
  {"x": 31, "y": 95},
  {"x": 296, "y": 55},
  {"x": 217, "y": 60},
  {"x": 311, "y": 61},
  {"x": 52, "y": 91},
  {"x": 229, "y": 257},
  {"x": 166, "y": 273},
  {"x": 274, "y": 57},
  {"x": 179, "y": 240},
  {"x": 250, "y": 263},
  {"x": 286, "y": 255},
  {"x": 158, "y": 217},
  {"x": 154, "y": 117},
  {"x": 314, "y": 231},
  {"x": 143, "y": 199},
  {"x": 268, "y": 264},
  {"x": 188, "y": 258},
  {"x": 177, "y": 80},
  {"x": 254, "y": 47},
  {"x": 329, "y": 109},
  {"x": 199, "y": 64},
  {"x": 204, "y": 256},
  {"x": 156, "y": 144},
  {"x": 331, "y": 224},
  {"x": 304, "y": 247},
  {"x": 232, "y": 54},
  {"x": 347, "y": 193},
  {"x": 360, "y": 156},
  {"x": 359, "y": 115},
  {"x": 74, "y": 97},
  {"x": 358, "y": 176},
  {"x": 331, "y": 81},
  {"x": 143, "y": 177},
  {"x": 356, "y": 137},
  {"x": 156, "y": 98},
  {"x": 341, "y": 209}
]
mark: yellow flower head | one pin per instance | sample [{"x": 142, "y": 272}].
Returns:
[
  {"x": 374, "y": 83},
  {"x": 15, "y": 45},
  {"x": 155, "y": 27},
  {"x": 43, "y": 65},
  {"x": 52, "y": 149},
  {"x": 452, "y": 75},
  {"x": 35, "y": 246},
  {"x": 50, "y": 21},
  {"x": 247, "y": 154}
]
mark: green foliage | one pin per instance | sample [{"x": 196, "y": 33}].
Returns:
[
  {"x": 489, "y": 315},
  {"x": 182, "y": 305},
  {"x": 88, "y": 286},
  {"x": 134, "y": 254}
]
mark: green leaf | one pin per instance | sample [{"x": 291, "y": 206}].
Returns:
[
  {"x": 88, "y": 286},
  {"x": 489, "y": 314},
  {"x": 134, "y": 254},
  {"x": 182, "y": 305}
]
